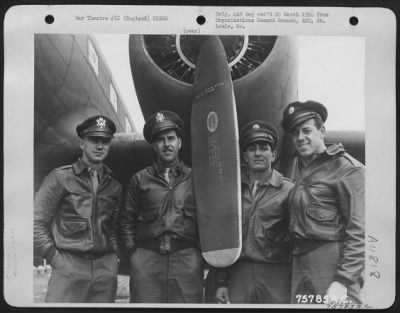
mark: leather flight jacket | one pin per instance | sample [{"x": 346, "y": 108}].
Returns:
[
  {"x": 265, "y": 223},
  {"x": 265, "y": 220},
  {"x": 327, "y": 204},
  {"x": 70, "y": 216},
  {"x": 155, "y": 208}
]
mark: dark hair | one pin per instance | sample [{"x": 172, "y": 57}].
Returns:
[
  {"x": 178, "y": 133},
  {"x": 318, "y": 121}
]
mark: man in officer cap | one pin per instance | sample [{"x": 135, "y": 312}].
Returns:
[
  {"x": 75, "y": 221},
  {"x": 159, "y": 221},
  {"x": 327, "y": 211},
  {"x": 262, "y": 273}
]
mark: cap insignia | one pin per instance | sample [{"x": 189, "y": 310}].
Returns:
[
  {"x": 101, "y": 122},
  {"x": 256, "y": 126},
  {"x": 160, "y": 117},
  {"x": 291, "y": 110}
]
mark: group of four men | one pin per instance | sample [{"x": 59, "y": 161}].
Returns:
[{"x": 303, "y": 241}]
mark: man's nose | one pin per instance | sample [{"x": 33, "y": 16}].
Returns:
[
  {"x": 300, "y": 136},
  {"x": 99, "y": 144}
]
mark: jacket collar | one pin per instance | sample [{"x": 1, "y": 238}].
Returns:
[
  {"x": 334, "y": 149},
  {"x": 331, "y": 150},
  {"x": 275, "y": 179},
  {"x": 79, "y": 166}
]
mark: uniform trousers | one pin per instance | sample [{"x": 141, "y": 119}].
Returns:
[
  {"x": 253, "y": 282},
  {"x": 76, "y": 280},
  {"x": 166, "y": 278},
  {"x": 314, "y": 271}
]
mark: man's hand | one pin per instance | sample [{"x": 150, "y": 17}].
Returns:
[
  {"x": 222, "y": 295},
  {"x": 55, "y": 263},
  {"x": 336, "y": 292}
]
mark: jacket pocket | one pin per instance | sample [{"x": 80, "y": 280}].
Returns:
[
  {"x": 277, "y": 237},
  {"x": 323, "y": 215},
  {"x": 72, "y": 234},
  {"x": 276, "y": 246},
  {"x": 189, "y": 212},
  {"x": 72, "y": 227}
]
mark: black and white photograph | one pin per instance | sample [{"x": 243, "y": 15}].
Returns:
[{"x": 225, "y": 161}]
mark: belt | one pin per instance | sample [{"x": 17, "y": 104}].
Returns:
[
  {"x": 166, "y": 244},
  {"x": 88, "y": 255}
]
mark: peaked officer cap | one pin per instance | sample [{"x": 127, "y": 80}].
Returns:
[
  {"x": 258, "y": 131},
  {"x": 161, "y": 121},
  {"x": 299, "y": 112},
  {"x": 96, "y": 126}
]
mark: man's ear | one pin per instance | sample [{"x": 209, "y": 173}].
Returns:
[
  {"x": 323, "y": 131},
  {"x": 273, "y": 156},
  {"x": 81, "y": 143},
  {"x": 179, "y": 143},
  {"x": 245, "y": 158}
]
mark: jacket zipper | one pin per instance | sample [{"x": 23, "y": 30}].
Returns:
[
  {"x": 249, "y": 228},
  {"x": 94, "y": 202},
  {"x": 171, "y": 189},
  {"x": 94, "y": 193},
  {"x": 252, "y": 216}
]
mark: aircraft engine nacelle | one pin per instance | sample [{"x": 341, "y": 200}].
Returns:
[{"x": 263, "y": 70}]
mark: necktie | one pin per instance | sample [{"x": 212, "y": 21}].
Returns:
[
  {"x": 166, "y": 175},
  {"x": 254, "y": 189},
  {"x": 95, "y": 179}
]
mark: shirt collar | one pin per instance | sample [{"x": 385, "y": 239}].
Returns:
[
  {"x": 176, "y": 170},
  {"x": 274, "y": 180},
  {"x": 80, "y": 166}
]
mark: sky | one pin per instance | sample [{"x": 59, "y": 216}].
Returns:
[{"x": 331, "y": 71}]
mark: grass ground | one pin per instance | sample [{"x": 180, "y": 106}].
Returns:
[{"x": 40, "y": 281}]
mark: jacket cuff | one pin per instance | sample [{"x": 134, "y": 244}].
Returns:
[
  {"x": 344, "y": 281},
  {"x": 116, "y": 250},
  {"x": 50, "y": 254},
  {"x": 130, "y": 251}
]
